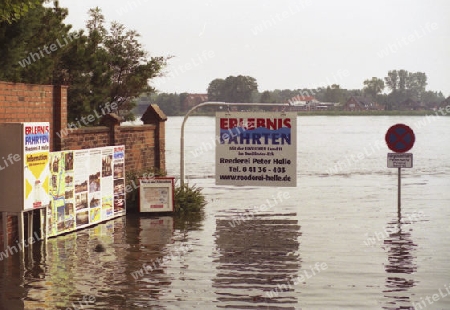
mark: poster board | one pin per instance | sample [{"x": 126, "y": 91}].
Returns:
[
  {"x": 256, "y": 149},
  {"x": 83, "y": 188},
  {"x": 156, "y": 194}
]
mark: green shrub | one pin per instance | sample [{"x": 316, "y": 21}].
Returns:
[{"x": 189, "y": 199}]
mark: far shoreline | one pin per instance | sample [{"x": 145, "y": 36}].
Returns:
[{"x": 347, "y": 113}]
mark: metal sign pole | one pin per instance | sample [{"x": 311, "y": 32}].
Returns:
[{"x": 399, "y": 198}]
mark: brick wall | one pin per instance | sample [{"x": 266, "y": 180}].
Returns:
[
  {"x": 139, "y": 141},
  {"x": 34, "y": 103},
  {"x": 139, "y": 144},
  {"x": 144, "y": 145},
  {"x": 87, "y": 137}
]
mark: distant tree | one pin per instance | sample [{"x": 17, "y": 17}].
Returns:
[
  {"x": 286, "y": 94},
  {"x": 276, "y": 95},
  {"x": 233, "y": 89},
  {"x": 402, "y": 81},
  {"x": 215, "y": 90},
  {"x": 404, "y": 85},
  {"x": 333, "y": 93},
  {"x": 416, "y": 84},
  {"x": 169, "y": 103},
  {"x": 373, "y": 87},
  {"x": 391, "y": 81},
  {"x": 432, "y": 97},
  {"x": 239, "y": 88},
  {"x": 266, "y": 97}
]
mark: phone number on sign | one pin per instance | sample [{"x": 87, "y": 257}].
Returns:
[{"x": 257, "y": 169}]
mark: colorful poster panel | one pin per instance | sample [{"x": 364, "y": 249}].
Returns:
[
  {"x": 95, "y": 186},
  {"x": 85, "y": 188},
  {"x": 107, "y": 180},
  {"x": 81, "y": 185},
  {"x": 36, "y": 174},
  {"x": 119, "y": 180},
  {"x": 56, "y": 191},
  {"x": 61, "y": 210}
]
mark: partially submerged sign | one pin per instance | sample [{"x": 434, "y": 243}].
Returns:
[
  {"x": 156, "y": 194},
  {"x": 400, "y": 160},
  {"x": 256, "y": 149}
]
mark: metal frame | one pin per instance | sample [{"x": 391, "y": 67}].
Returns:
[
  {"x": 213, "y": 103},
  {"x": 21, "y": 225}
]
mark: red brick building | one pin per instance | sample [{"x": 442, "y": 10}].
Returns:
[{"x": 360, "y": 103}]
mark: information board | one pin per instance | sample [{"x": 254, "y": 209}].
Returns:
[
  {"x": 156, "y": 194},
  {"x": 256, "y": 149}
]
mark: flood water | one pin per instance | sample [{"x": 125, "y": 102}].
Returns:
[{"x": 336, "y": 241}]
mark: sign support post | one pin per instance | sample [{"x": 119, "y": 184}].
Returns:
[
  {"x": 399, "y": 188},
  {"x": 400, "y": 139}
]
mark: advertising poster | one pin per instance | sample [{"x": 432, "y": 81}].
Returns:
[
  {"x": 95, "y": 186},
  {"x": 107, "y": 180},
  {"x": 36, "y": 174},
  {"x": 69, "y": 195},
  {"x": 156, "y": 195},
  {"x": 81, "y": 184},
  {"x": 61, "y": 211},
  {"x": 256, "y": 149},
  {"x": 119, "y": 180},
  {"x": 56, "y": 191}
]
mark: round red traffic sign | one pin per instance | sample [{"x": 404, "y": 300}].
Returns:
[{"x": 400, "y": 138}]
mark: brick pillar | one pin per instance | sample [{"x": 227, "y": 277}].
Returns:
[
  {"x": 59, "y": 116},
  {"x": 154, "y": 115},
  {"x": 111, "y": 121}
]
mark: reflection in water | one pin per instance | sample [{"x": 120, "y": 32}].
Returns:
[
  {"x": 400, "y": 264},
  {"x": 69, "y": 272},
  {"x": 148, "y": 237},
  {"x": 257, "y": 256}
]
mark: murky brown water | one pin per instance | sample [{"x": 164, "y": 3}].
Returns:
[{"x": 336, "y": 241}]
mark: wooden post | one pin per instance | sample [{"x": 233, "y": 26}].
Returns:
[
  {"x": 21, "y": 227},
  {"x": 5, "y": 230}
]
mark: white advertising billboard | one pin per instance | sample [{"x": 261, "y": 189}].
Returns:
[{"x": 256, "y": 149}]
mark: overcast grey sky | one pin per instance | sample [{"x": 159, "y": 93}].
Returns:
[{"x": 292, "y": 44}]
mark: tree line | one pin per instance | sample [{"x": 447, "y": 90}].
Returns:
[{"x": 401, "y": 85}]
